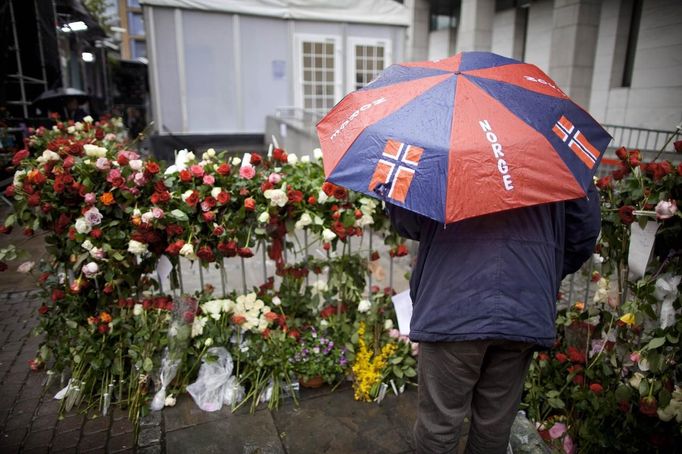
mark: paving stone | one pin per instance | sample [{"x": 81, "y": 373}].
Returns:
[
  {"x": 49, "y": 407},
  {"x": 156, "y": 449},
  {"x": 185, "y": 413},
  {"x": 69, "y": 423},
  {"x": 149, "y": 436},
  {"x": 44, "y": 422},
  {"x": 11, "y": 439},
  {"x": 121, "y": 426},
  {"x": 93, "y": 441},
  {"x": 250, "y": 433},
  {"x": 96, "y": 425},
  {"x": 119, "y": 413},
  {"x": 152, "y": 419},
  {"x": 39, "y": 439},
  {"x": 121, "y": 442},
  {"x": 40, "y": 450},
  {"x": 27, "y": 406},
  {"x": 66, "y": 440},
  {"x": 337, "y": 423}
]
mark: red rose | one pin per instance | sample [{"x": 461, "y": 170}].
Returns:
[
  {"x": 6, "y": 230},
  {"x": 122, "y": 159},
  {"x": 326, "y": 246},
  {"x": 57, "y": 295},
  {"x": 29, "y": 231},
  {"x": 20, "y": 156},
  {"x": 295, "y": 196},
  {"x": 245, "y": 252},
  {"x": 256, "y": 159},
  {"x": 625, "y": 213},
  {"x": 188, "y": 316},
  {"x": 576, "y": 355},
  {"x": 174, "y": 230},
  {"x": 228, "y": 249},
  {"x": 562, "y": 358},
  {"x": 244, "y": 192},
  {"x": 185, "y": 176},
  {"x": 96, "y": 233},
  {"x": 294, "y": 333},
  {"x": 312, "y": 200},
  {"x": 238, "y": 319},
  {"x": 223, "y": 169},
  {"x": 279, "y": 155},
  {"x": 209, "y": 202},
  {"x": 218, "y": 231},
  {"x": 678, "y": 146},
  {"x": 648, "y": 406},
  {"x": 624, "y": 406},
  {"x": 99, "y": 133},
  {"x": 174, "y": 248},
  {"x": 634, "y": 158},
  {"x": 622, "y": 153},
  {"x": 43, "y": 309},
  {"x": 34, "y": 199},
  {"x": 193, "y": 199},
  {"x": 340, "y": 193},
  {"x": 620, "y": 172},
  {"x": 152, "y": 167},
  {"x": 9, "y": 191},
  {"x": 108, "y": 288},
  {"x": 208, "y": 216},
  {"x": 266, "y": 185},
  {"x": 596, "y": 388},
  {"x": 206, "y": 254},
  {"x": 103, "y": 328},
  {"x": 604, "y": 182},
  {"x": 328, "y": 188},
  {"x": 223, "y": 197},
  {"x": 679, "y": 169},
  {"x": 68, "y": 162},
  {"x": 374, "y": 256},
  {"x": 250, "y": 204},
  {"x": 543, "y": 356}
]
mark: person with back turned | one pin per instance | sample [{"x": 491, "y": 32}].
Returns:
[{"x": 484, "y": 292}]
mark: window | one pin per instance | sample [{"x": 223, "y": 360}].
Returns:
[
  {"x": 134, "y": 3},
  {"x": 135, "y": 24},
  {"x": 635, "y": 18},
  {"x": 138, "y": 49},
  {"x": 318, "y": 73},
  {"x": 368, "y": 58}
]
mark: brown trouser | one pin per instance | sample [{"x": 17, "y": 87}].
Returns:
[{"x": 482, "y": 378}]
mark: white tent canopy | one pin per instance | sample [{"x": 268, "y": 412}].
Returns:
[{"x": 386, "y": 12}]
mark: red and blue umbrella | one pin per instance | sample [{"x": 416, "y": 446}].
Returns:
[{"x": 465, "y": 136}]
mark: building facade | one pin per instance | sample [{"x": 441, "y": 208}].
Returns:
[{"x": 619, "y": 59}]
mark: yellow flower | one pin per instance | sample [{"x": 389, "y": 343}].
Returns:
[
  {"x": 368, "y": 371},
  {"x": 628, "y": 319}
]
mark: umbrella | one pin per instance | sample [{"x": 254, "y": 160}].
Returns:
[
  {"x": 465, "y": 136},
  {"x": 61, "y": 94}
]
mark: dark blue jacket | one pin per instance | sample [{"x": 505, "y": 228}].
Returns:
[{"x": 496, "y": 276}]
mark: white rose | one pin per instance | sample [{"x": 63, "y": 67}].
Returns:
[
  {"x": 264, "y": 217},
  {"x": 324, "y": 323},
  {"x": 18, "y": 177},
  {"x": 188, "y": 251},
  {"x": 79, "y": 126},
  {"x": 317, "y": 154},
  {"x": 276, "y": 301},
  {"x": 137, "y": 309},
  {"x": 365, "y": 220},
  {"x": 82, "y": 226},
  {"x": 364, "y": 306},
  {"x": 135, "y": 164},
  {"x": 277, "y": 197},
  {"x": 305, "y": 159},
  {"x": 48, "y": 155},
  {"x": 322, "y": 197},
  {"x": 292, "y": 158},
  {"x": 88, "y": 119},
  {"x": 215, "y": 192},
  {"x": 137, "y": 248},
  {"x": 87, "y": 245},
  {"x": 208, "y": 342},
  {"x": 90, "y": 269},
  {"x": 303, "y": 221},
  {"x": 170, "y": 401},
  {"x": 55, "y": 128},
  {"x": 71, "y": 129},
  {"x": 388, "y": 324},
  {"x": 213, "y": 308},
  {"x": 236, "y": 161},
  {"x": 94, "y": 151},
  {"x": 147, "y": 217},
  {"x": 198, "y": 326},
  {"x": 26, "y": 267},
  {"x": 328, "y": 235}
]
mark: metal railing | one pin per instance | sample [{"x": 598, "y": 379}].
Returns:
[{"x": 645, "y": 140}]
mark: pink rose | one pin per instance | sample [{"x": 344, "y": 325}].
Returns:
[
  {"x": 90, "y": 198},
  {"x": 93, "y": 216},
  {"x": 157, "y": 212},
  {"x": 557, "y": 430},
  {"x": 275, "y": 178},
  {"x": 140, "y": 179},
  {"x": 103, "y": 164},
  {"x": 209, "y": 180},
  {"x": 247, "y": 172},
  {"x": 196, "y": 170},
  {"x": 394, "y": 333},
  {"x": 666, "y": 209}
]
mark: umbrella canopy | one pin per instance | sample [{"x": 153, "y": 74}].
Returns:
[
  {"x": 465, "y": 136},
  {"x": 60, "y": 94}
]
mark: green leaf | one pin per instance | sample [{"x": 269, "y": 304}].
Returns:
[
  {"x": 672, "y": 339},
  {"x": 556, "y": 403},
  {"x": 179, "y": 215},
  {"x": 410, "y": 372},
  {"x": 623, "y": 392},
  {"x": 148, "y": 365},
  {"x": 655, "y": 343},
  {"x": 397, "y": 372},
  {"x": 11, "y": 219}
]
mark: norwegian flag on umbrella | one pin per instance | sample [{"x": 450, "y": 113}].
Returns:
[{"x": 465, "y": 136}]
